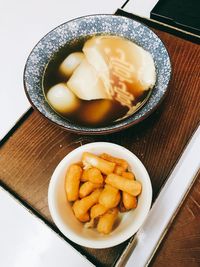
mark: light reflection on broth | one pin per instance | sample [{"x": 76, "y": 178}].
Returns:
[{"x": 105, "y": 79}]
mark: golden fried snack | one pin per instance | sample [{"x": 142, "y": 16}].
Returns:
[
  {"x": 129, "y": 202},
  {"x": 128, "y": 175},
  {"x": 132, "y": 187},
  {"x": 85, "y": 217},
  {"x": 81, "y": 207},
  {"x": 106, "y": 221},
  {"x": 97, "y": 210},
  {"x": 104, "y": 166},
  {"x": 105, "y": 187},
  {"x": 80, "y": 163},
  {"x": 109, "y": 197},
  {"x": 72, "y": 182},
  {"x": 93, "y": 175},
  {"x": 87, "y": 188},
  {"x": 118, "y": 170},
  {"x": 121, "y": 162}
]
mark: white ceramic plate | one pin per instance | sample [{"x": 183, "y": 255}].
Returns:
[{"x": 61, "y": 210}]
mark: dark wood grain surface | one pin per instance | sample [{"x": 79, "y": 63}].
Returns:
[
  {"x": 181, "y": 246},
  {"x": 29, "y": 156}
]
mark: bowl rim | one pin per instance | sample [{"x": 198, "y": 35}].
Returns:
[
  {"x": 97, "y": 244},
  {"x": 107, "y": 129}
]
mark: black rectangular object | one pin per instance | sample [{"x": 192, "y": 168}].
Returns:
[{"x": 182, "y": 14}]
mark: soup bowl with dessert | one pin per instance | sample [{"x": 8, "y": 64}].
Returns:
[{"x": 97, "y": 74}]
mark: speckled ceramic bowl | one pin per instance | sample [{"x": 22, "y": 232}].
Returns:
[{"x": 68, "y": 35}]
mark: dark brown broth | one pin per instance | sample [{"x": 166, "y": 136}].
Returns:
[{"x": 83, "y": 114}]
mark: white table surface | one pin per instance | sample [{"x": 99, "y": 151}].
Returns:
[
  {"x": 22, "y": 24},
  {"x": 25, "y": 241}
]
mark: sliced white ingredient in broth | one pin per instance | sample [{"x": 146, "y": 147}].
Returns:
[
  {"x": 126, "y": 69},
  {"x": 62, "y": 99},
  {"x": 86, "y": 83},
  {"x": 123, "y": 59},
  {"x": 70, "y": 64}
]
